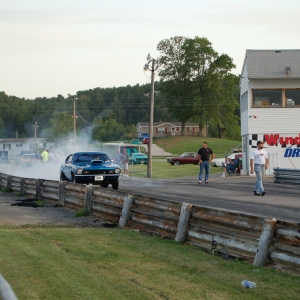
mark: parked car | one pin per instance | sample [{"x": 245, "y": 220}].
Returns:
[
  {"x": 26, "y": 160},
  {"x": 219, "y": 162},
  {"x": 146, "y": 140},
  {"x": 20, "y": 159},
  {"x": 135, "y": 141},
  {"x": 184, "y": 158},
  {"x": 143, "y": 135},
  {"x": 93, "y": 167},
  {"x": 138, "y": 159}
]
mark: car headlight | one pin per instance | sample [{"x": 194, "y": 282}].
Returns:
[
  {"x": 79, "y": 171},
  {"x": 118, "y": 171}
]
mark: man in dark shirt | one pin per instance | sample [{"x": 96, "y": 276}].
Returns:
[{"x": 205, "y": 156}]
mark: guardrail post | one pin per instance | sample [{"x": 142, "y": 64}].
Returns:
[
  {"x": 8, "y": 183},
  {"x": 88, "y": 198},
  {"x": 264, "y": 242},
  {"x": 38, "y": 190},
  {"x": 61, "y": 193},
  {"x": 128, "y": 202},
  {"x": 186, "y": 210},
  {"x": 22, "y": 186}
]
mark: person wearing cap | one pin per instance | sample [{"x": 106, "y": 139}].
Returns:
[{"x": 259, "y": 162}]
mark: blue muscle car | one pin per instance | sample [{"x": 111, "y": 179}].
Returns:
[{"x": 90, "y": 167}]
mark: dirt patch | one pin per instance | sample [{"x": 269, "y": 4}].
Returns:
[{"x": 48, "y": 215}]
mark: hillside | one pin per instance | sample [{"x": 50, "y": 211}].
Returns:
[{"x": 180, "y": 144}]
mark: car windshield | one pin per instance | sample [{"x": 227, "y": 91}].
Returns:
[
  {"x": 138, "y": 154},
  {"x": 88, "y": 157}
]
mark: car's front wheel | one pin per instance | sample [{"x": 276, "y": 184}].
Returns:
[
  {"x": 177, "y": 163},
  {"x": 115, "y": 184}
]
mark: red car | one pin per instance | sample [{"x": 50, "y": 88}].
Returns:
[
  {"x": 146, "y": 140},
  {"x": 185, "y": 158}
]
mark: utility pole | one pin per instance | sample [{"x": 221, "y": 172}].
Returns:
[
  {"x": 35, "y": 128},
  {"x": 152, "y": 65},
  {"x": 74, "y": 117}
]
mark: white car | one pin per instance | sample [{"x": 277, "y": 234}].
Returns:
[{"x": 218, "y": 162}]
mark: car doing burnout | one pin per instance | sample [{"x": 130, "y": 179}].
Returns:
[
  {"x": 138, "y": 159},
  {"x": 185, "y": 158},
  {"x": 90, "y": 167}
]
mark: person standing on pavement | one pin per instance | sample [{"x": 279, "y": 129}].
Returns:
[
  {"x": 259, "y": 162},
  {"x": 205, "y": 156},
  {"x": 44, "y": 156},
  {"x": 124, "y": 161}
]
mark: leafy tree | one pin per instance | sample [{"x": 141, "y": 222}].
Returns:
[
  {"x": 176, "y": 77},
  {"x": 196, "y": 81},
  {"x": 62, "y": 124}
]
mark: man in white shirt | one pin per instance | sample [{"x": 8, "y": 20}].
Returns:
[{"x": 258, "y": 163}]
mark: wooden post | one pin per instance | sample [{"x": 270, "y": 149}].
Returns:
[
  {"x": 22, "y": 186},
  {"x": 264, "y": 242},
  {"x": 88, "y": 198},
  {"x": 8, "y": 183},
  {"x": 128, "y": 202},
  {"x": 61, "y": 193},
  {"x": 185, "y": 213},
  {"x": 38, "y": 190}
]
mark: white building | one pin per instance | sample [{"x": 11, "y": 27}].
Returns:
[
  {"x": 270, "y": 106},
  {"x": 14, "y": 146}
]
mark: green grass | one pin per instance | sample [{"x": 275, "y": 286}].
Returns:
[
  {"x": 73, "y": 263},
  {"x": 161, "y": 169},
  {"x": 81, "y": 213},
  {"x": 180, "y": 144}
]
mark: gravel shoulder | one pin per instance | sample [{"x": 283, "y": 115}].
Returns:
[{"x": 48, "y": 215}]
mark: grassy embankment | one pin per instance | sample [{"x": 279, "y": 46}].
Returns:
[
  {"x": 178, "y": 145},
  {"x": 88, "y": 263}
]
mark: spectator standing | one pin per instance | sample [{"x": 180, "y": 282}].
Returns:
[
  {"x": 259, "y": 162},
  {"x": 125, "y": 160},
  {"x": 45, "y": 156},
  {"x": 118, "y": 157},
  {"x": 205, "y": 156},
  {"x": 231, "y": 165},
  {"x": 37, "y": 156}
]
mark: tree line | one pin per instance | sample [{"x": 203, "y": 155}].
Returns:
[{"x": 195, "y": 85}]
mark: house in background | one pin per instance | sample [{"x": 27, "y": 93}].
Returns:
[
  {"x": 270, "y": 106},
  {"x": 163, "y": 129},
  {"x": 14, "y": 146}
]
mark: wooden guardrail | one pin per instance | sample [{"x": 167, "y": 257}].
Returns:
[{"x": 260, "y": 241}]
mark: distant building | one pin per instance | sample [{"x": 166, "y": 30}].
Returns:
[
  {"x": 270, "y": 106},
  {"x": 15, "y": 145},
  {"x": 163, "y": 129}
]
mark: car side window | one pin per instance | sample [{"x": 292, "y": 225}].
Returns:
[{"x": 69, "y": 159}]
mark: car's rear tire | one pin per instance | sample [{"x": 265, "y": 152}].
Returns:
[
  {"x": 115, "y": 184},
  {"x": 177, "y": 163}
]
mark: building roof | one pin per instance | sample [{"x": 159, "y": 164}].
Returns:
[
  {"x": 272, "y": 64},
  {"x": 19, "y": 140},
  {"x": 177, "y": 124}
]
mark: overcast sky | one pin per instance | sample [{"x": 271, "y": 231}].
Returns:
[{"x": 52, "y": 47}]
